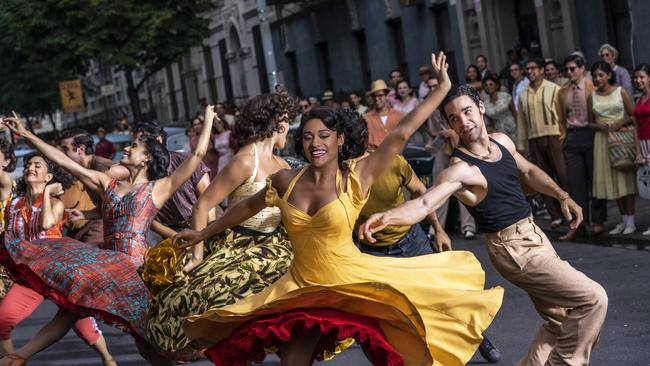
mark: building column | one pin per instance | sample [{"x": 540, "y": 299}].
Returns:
[{"x": 542, "y": 27}]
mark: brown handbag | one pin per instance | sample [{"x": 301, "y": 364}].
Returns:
[{"x": 622, "y": 149}]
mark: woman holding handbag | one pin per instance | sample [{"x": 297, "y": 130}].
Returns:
[
  {"x": 642, "y": 115},
  {"x": 614, "y": 145}
]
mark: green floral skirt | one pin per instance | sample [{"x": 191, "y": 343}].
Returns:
[
  {"x": 5, "y": 282},
  {"x": 237, "y": 263}
]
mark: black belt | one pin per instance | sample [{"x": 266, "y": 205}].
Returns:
[
  {"x": 576, "y": 129},
  {"x": 385, "y": 249},
  {"x": 251, "y": 232}
]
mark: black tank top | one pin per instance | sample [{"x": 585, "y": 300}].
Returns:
[{"x": 505, "y": 203}]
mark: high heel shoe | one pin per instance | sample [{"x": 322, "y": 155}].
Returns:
[
  {"x": 16, "y": 360},
  {"x": 573, "y": 234}
]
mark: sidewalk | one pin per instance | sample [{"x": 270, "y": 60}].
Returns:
[{"x": 631, "y": 241}]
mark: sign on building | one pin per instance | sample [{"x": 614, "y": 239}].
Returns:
[
  {"x": 107, "y": 89},
  {"x": 72, "y": 98}
]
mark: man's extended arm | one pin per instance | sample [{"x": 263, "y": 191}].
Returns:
[{"x": 414, "y": 211}]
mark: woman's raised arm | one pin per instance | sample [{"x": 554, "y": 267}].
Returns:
[
  {"x": 373, "y": 166},
  {"x": 164, "y": 188},
  {"x": 92, "y": 179}
]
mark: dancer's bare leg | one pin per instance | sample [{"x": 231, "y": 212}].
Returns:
[
  {"x": 53, "y": 331},
  {"x": 102, "y": 350},
  {"x": 298, "y": 352},
  {"x": 6, "y": 347}
]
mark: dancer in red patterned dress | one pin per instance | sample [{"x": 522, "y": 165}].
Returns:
[
  {"x": 103, "y": 282},
  {"x": 36, "y": 214}
]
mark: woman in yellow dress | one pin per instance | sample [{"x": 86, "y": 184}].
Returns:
[
  {"x": 607, "y": 108},
  {"x": 427, "y": 310}
]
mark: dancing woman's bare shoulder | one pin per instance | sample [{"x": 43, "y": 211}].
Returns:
[{"x": 282, "y": 179}]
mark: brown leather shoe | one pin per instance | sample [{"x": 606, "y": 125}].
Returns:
[
  {"x": 599, "y": 229},
  {"x": 573, "y": 234}
]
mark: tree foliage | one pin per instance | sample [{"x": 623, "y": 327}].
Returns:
[{"x": 61, "y": 37}]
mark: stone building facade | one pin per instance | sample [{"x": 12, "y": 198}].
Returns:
[{"x": 312, "y": 46}]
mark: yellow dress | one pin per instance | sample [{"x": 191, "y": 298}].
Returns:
[
  {"x": 609, "y": 183},
  {"x": 432, "y": 309}
]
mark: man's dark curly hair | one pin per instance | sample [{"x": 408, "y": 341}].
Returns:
[
  {"x": 80, "y": 138},
  {"x": 344, "y": 122},
  {"x": 157, "y": 166},
  {"x": 458, "y": 91},
  {"x": 8, "y": 151},
  {"x": 259, "y": 117},
  {"x": 151, "y": 128},
  {"x": 59, "y": 175}
]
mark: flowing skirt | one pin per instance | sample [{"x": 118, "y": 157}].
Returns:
[
  {"x": 81, "y": 278},
  {"x": 429, "y": 310},
  {"x": 237, "y": 264}
]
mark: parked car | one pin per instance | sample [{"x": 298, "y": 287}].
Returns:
[{"x": 119, "y": 140}]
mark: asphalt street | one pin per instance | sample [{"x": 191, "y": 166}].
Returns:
[{"x": 624, "y": 273}]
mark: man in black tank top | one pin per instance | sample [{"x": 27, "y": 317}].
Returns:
[{"x": 484, "y": 175}]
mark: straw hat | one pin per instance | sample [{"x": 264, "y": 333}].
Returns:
[
  {"x": 378, "y": 85},
  {"x": 328, "y": 95}
]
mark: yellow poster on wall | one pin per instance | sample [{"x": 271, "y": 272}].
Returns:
[{"x": 72, "y": 97}]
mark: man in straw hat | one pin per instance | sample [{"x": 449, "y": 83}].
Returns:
[
  {"x": 383, "y": 118},
  {"x": 328, "y": 99}
]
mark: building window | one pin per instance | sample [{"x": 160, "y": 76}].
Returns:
[
  {"x": 397, "y": 37},
  {"x": 362, "y": 47},
  {"x": 225, "y": 69},
  {"x": 324, "y": 66},
  {"x": 444, "y": 40},
  {"x": 119, "y": 96},
  {"x": 209, "y": 68},
  {"x": 259, "y": 58},
  {"x": 293, "y": 68}
]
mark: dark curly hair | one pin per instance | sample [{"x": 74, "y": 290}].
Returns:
[
  {"x": 478, "y": 73},
  {"x": 80, "y": 138},
  {"x": 259, "y": 117},
  {"x": 151, "y": 128},
  {"x": 346, "y": 122},
  {"x": 458, "y": 91},
  {"x": 8, "y": 151},
  {"x": 493, "y": 78},
  {"x": 157, "y": 166},
  {"x": 59, "y": 175}
]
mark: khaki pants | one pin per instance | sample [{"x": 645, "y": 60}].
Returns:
[{"x": 573, "y": 305}]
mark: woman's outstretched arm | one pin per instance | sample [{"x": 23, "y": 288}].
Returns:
[
  {"x": 92, "y": 179},
  {"x": 233, "y": 217},
  {"x": 373, "y": 166}
]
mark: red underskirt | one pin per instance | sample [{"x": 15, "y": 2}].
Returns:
[{"x": 250, "y": 341}]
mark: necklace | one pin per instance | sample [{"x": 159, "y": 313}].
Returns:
[{"x": 484, "y": 157}]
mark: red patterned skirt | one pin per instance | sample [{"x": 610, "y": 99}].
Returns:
[
  {"x": 252, "y": 340},
  {"x": 81, "y": 278}
]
